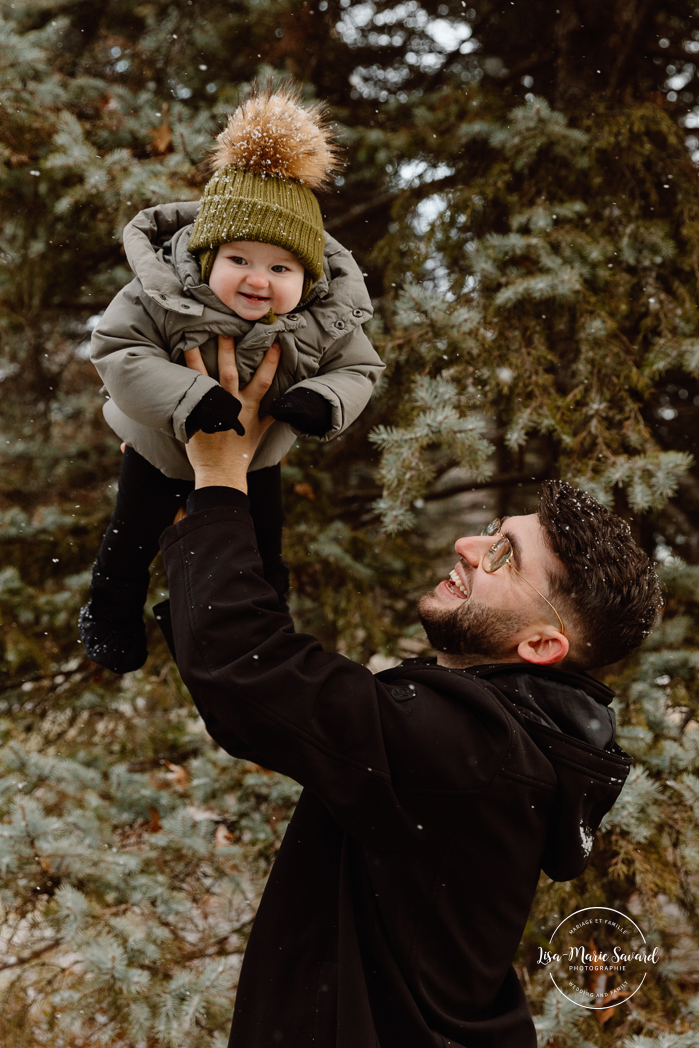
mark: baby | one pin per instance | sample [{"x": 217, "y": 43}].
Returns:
[{"x": 250, "y": 262}]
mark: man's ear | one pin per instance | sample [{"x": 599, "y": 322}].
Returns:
[{"x": 544, "y": 648}]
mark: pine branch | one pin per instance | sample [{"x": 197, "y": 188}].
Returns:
[
  {"x": 42, "y": 678},
  {"x": 384, "y": 199},
  {"x": 361, "y": 211},
  {"x": 28, "y": 958},
  {"x": 502, "y": 480},
  {"x": 534, "y": 61}
]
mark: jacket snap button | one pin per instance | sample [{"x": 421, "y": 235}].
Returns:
[
  {"x": 340, "y": 324},
  {"x": 185, "y": 306},
  {"x": 357, "y": 313},
  {"x": 293, "y": 316},
  {"x": 403, "y": 692}
]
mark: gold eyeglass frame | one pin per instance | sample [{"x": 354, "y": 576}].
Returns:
[{"x": 494, "y": 528}]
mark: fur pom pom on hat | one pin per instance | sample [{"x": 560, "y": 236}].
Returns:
[
  {"x": 271, "y": 134},
  {"x": 268, "y": 160}
]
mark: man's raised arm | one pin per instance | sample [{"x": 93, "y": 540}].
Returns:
[{"x": 265, "y": 692}]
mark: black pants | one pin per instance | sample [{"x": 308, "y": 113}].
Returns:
[{"x": 146, "y": 504}]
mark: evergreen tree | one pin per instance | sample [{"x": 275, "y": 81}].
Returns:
[{"x": 528, "y": 225}]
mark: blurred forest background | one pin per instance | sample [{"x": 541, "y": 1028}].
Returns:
[{"x": 521, "y": 190}]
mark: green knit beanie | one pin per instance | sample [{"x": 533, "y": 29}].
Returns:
[
  {"x": 268, "y": 159},
  {"x": 241, "y": 205}
]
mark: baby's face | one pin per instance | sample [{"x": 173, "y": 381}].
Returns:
[{"x": 252, "y": 278}]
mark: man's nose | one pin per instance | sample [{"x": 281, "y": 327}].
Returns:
[{"x": 472, "y": 548}]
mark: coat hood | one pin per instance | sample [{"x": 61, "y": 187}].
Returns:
[
  {"x": 156, "y": 244},
  {"x": 566, "y": 713}
]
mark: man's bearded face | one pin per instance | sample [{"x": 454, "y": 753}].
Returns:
[{"x": 469, "y": 629}]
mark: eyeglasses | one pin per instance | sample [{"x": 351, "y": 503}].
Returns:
[{"x": 502, "y": 553}]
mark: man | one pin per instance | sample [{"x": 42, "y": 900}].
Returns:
[{"x": 435, "y": 791}]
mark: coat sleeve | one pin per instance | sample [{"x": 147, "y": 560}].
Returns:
[
  {"x": 132, "y": 358},
  {"x": 266, "y": 693},
  {"x": 348, "y": 372}
]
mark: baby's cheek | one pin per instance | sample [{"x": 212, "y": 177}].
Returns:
[
  {"x": 298, "y": 288},
  {"x": 289, "y": 296}
]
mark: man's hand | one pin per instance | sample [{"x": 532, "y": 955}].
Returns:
[{"x": 222, "y": 459}]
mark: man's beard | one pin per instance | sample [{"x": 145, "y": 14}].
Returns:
[{"x": 469, "y": 631}]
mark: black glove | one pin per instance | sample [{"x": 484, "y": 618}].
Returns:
[
  {"x": 217, "y": 410},
  {"x": 305, "y": 410}
]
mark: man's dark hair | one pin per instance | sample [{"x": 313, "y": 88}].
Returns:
[{"x": 607, "y": 586}]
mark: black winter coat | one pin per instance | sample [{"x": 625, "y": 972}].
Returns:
[{"x": 432, "y": 799}]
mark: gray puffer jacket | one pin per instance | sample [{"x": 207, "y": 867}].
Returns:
[{"x": 138, "y": 345}]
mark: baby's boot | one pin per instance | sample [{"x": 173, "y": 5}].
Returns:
[{"x": 111, "y": 625}]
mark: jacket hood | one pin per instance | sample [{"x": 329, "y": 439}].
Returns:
[
  {"x": 156, "y": 244},
  {"x": 566, "y": 714},
  {"x": 568, "y": 701}
]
